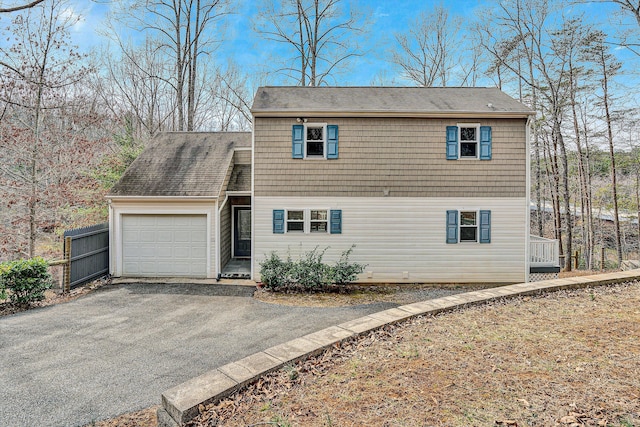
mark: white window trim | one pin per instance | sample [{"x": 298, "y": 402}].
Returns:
[
  {"x": 286, "y": 221},
  {"x": 460, "y": 226},
  {"x": 326, "y": 221},
  {"x": 468, "y": 125},
  {"x": 324, "y": 140},
  {"x": 306, "y": 215}
]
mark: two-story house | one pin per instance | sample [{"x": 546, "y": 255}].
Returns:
[{"x": 430, "y": 184}]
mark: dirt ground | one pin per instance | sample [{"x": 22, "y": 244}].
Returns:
[{"x": 569, "y": 358}]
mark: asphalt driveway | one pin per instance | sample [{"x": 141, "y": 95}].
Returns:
[{"x": 116, "y": 350}]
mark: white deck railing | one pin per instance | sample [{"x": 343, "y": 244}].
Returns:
[{"x": 543, "y": 252}]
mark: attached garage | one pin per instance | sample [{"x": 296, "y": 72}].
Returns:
[
  {"x": 164, "y": 213},
  {"x": 164, "y": 245}
]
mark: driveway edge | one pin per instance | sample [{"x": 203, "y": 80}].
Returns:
[{"x": 181, "y": 403}]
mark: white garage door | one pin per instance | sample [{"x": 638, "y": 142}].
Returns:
[{"x": 164, "y": 245}]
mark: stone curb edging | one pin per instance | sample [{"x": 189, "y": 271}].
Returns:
[{"x": 180, "y": 404}]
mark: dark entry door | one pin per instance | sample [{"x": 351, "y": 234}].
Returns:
[{"x": 242, "y": 231}]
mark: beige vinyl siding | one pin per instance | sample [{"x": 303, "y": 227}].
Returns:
[
  {"x": 404, "y": 239},
  {"x": 225, "y": 234},
  {"x": 242, "y": 157},
  {"x": 404, "y": 156},
  {"x": 118, "y": 208}
]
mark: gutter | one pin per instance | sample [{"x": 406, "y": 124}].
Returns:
[{"x": 395, "y": 114}]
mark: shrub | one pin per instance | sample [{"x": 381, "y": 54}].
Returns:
[
  {"x": 344, "y": 272},
  {"x": 26, "y": 280},
  {"x": 309, "y": 272}
]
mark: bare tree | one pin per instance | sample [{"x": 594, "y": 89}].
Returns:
[
  {"x": 319, "y": 35},
  {"x": 20, "y": 7},
  {"x": 606, "y": 68},
  {"x": 38, "y": 71},
  {"x": 429, "y": 52},
  {"x": 185, "y": 30}
]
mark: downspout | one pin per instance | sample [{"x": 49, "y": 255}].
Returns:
[
  {"x": 528, "y": 202},
  {"x": 218, "y": 211},
  {"x": 112, "y": 251}
]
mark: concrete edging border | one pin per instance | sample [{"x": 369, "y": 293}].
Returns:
[{"x": 180, "y": 404}]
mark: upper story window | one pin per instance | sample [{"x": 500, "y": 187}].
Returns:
[
  {"x": 469, "y": 141},
  {"x": 314, "y": 141}
]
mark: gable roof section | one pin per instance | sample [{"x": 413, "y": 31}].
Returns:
[
  {"x": 181, "y": 164},
  {"x": 273, "y": 101}
]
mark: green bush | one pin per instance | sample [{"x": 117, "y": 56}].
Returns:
[
  {"x": 308, "y": 273},
  {"x": 26, "y": 280}
]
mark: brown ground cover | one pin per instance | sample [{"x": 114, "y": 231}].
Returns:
[{"x": 569, "y": 358}]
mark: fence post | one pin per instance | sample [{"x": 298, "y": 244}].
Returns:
[
  {"x": 575, "y": 265},
  {"x": 602, "y": 259},
  {"x": 66, "y": 285}
]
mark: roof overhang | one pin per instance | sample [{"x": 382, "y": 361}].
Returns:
[
  {"x": 110, "y": 198},
  {"x": 395, "y": 114}
]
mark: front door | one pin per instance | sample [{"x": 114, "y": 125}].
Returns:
[{"x": 241, "y": 231}]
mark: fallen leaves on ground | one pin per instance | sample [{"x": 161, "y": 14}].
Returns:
[{"x": 568, "y": 358}]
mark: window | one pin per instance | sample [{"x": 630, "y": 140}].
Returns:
[
  {"x": 314, "y": 141},
  {"x": 469, "y": 226},
  {"x": 468, "y": 141},
  {"x": 307, "y": 221},
  {"x": 295, "y": 221},
  {"x": 319, "y": 220}
]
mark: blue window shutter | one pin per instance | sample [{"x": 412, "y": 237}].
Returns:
[
  {"x": 336, "y": 221},
  {"x": 452, "y": 142},
  {"x": 452, "y": 226},
  {"x": 278, "y": 221},
  {"x": 332, "y": 141},
  {"x": 485, "y": 142},
  {"x": 297, "y": 142},
  {"x": 485, "y": 226}
]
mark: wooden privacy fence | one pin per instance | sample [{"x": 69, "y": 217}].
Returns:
[{"x": 86, "y": 255}]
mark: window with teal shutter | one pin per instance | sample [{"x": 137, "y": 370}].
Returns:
[
  {"x": 336, "y": 221},
  {"x": 332, "y": 141},
  {"x": 278, "y": 221},
  {"x": 485, "y": 142},
  {"x": 485, "y": 226},
  {"x": 452, "y": 226},
  {"x": 297, "y": 142},
  {"x": 452, "y": 142}
]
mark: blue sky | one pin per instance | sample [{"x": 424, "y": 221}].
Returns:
[{"x": 246, "y": 48}]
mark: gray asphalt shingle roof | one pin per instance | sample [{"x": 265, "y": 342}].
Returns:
[
  {"x": 274, "y": 100},
  {"x": 179, "y": 164}
]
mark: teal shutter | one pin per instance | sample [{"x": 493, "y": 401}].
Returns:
[
  {"x": 452, "y": 142},
  {"x": 336, "y": 221},
  {"x": 485, "y": 142},
  {"x": 485, "y": 226},
  {"x": 278, "y": 221},
  {"x": 297, "y": 142},
  {"x": 452, "y": 226},
  {"x": 332, "y": 141}
]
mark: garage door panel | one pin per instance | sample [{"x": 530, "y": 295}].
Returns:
[{"x": 164, "y": 245}]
